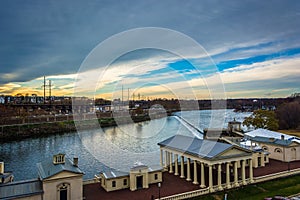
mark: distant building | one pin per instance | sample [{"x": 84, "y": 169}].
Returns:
[{"x": 280, "y": 146}]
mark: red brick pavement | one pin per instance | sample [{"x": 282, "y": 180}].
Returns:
[{"x": 174, "y": 184}]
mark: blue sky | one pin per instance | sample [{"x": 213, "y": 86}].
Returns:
[{"x": 255, "y": 46}]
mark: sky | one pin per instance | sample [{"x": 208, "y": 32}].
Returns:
[{"x": 252, "y": 46}]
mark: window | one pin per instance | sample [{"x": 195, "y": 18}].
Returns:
[
  {"x": 125, "y": 181},
  {"x": 155, "y": 176},
  {"x": 63, "y": 191},
  {"x": 113, "y": 183},
  {"x": 265, "y": 148},
  {"x": 59, "y": 159},
  {"x": 278, "y": 150}
]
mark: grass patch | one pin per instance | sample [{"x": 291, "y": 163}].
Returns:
[{"x": 281, "y": 187}]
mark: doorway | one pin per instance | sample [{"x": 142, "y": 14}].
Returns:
[
  {"x": 63, "y": 194},
  {"x": 139, "y": 182}
]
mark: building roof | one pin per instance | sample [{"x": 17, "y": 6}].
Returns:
[
  {"x": 47, "y": 169},
  {"x": 113, "y": 173},
  {"x": 272, "y": 141},
  {"x": 21, "y": 189},
  {"x": 202, "y": 148},
  {"x": 271, "y": 134}
]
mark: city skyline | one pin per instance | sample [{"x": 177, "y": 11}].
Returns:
[{"x": 255, "y": 46}]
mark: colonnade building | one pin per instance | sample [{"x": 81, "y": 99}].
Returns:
[{"x": 207, "y": 163}]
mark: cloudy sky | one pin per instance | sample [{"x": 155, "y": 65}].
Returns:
[{"x": 254, "y": 47}]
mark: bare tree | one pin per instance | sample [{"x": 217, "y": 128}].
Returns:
[{"x": 289, "y": 115}]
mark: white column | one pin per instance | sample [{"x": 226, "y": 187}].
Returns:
[
  {"x": 195, "y": 173},
  {"x": 244, "y": 172},
  {"x": 188, "y": 178},
  {"x": 161, "y": 158},
  {"x": 235, "y": 174},
  {"x": 176, "y": 164},
  {"x": 228, "y": 175},
  {"x": 250, "y": 170},
  {"x": 210, "y": 179},
  {"x": 202, "y": 176},
  {"x": 166, "y": 160},
  {"x": 171, "y": 162},
  {"x": 182, "y": 167},
  {"x": 219, "y": 177}
]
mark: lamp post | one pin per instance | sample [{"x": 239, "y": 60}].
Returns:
[{"x": 159, "y": 185}]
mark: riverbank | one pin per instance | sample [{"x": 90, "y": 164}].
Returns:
[{"x": 17, "y": 132}]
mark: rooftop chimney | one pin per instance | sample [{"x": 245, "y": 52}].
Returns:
[
  {"x": 75, "y": 161},
  {"x": 1, "y": 167}
]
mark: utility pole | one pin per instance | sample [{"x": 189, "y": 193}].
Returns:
[
  {"x": 122, "y": 98},
  {"x": 49, "y": 91},
  {"x": 44, "y": 89}
]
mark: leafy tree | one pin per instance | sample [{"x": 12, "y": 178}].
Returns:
[
  {"x": 289, "y": 115},
  {"x": 262, "y": 119}
]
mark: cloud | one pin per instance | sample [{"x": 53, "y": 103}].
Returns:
[{"x": 52, "y": 39}]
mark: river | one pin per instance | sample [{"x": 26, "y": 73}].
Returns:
[{"x": 117, "y": 147}]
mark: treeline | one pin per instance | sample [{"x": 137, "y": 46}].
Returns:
[{"x": 286, "y": 116}]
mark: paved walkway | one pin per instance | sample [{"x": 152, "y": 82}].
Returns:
[{"x": 172, "y": 185}]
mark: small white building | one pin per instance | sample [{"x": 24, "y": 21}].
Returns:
[
  {"x": 59, "y": 179},
  {"x": 140, "y": 176}
]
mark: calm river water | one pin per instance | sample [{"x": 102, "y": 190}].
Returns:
[{"x": 117, "y": 147}]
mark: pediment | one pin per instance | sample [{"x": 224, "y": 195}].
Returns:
[
  {"x": 294, "y": 144},
  {"x": 63, "y": 174},
  {"x": 233, "y": 152}
]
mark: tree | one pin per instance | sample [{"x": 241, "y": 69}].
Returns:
[
  {"x": 289, "y": 115},
  {"x": 262, "y": 119}
]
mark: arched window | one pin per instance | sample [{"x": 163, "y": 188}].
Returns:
[
  {"x": 63, "y": 191},
  {"x": 265, "y": 148},
  {"x": 278, "y": 150}
]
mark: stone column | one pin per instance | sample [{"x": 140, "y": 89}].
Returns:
[
  {"x": 176, "y": 164},
  {"x": 228, "y": 175},
  {"x": 188, "y": 178},
  {"x": 243, "y": 172},
  {"x": 171, "y": 162},
  {"x": 182, "y": 167},
  {"x": 195, "y": 173},
  {"x": 166, "y": 160},
  {"x": 220, "y": 177},
  {"x": 251, "y": 171},
  {"x": 262, "y": 160},
  {"x": 161, "y": 158},
  {"x": 210, "y": 179},
  {"x": 202, "y": 176},
  {"x": 235, "y": 174}
]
